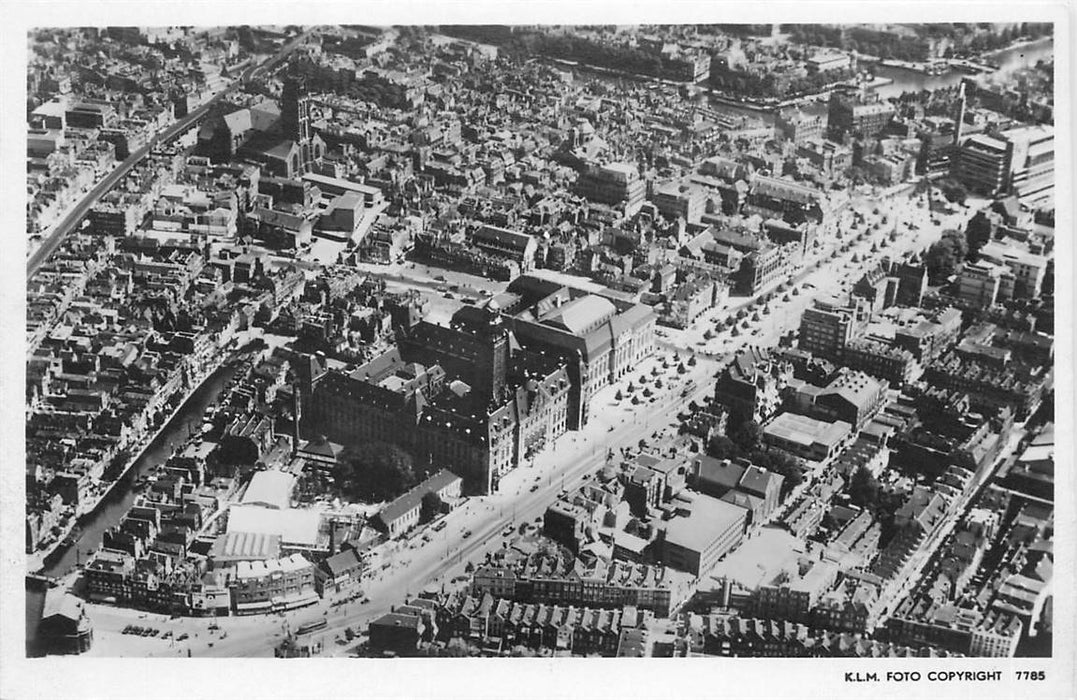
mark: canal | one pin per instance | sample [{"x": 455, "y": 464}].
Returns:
[
  {"x": 1008, "y": 60},
  {"x": 187, "y": 421},
  {"x": 906, "y": 80}
]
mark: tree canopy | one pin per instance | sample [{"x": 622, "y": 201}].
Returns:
[
  {"x": 943, "y": 257},
  {"x": 978, "y": 232},
  {"x": 864, "y": 489},
  {"x": 375, "y": 472}
]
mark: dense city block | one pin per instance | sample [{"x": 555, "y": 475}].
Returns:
[{"x": 716, "y": 340}]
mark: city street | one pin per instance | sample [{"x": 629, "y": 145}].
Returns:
[
  {"x": 909, "y": 577},
  {"x": 413, "y": 565},
  {"x": 822, "y": 281},
  {"x": 76, "y": 213},
  {"x": 776, "y": 375}
]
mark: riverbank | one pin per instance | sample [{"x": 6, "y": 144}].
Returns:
[
  {"x": 1021, "y": 44},
  {"x": 37, "y": 560}
]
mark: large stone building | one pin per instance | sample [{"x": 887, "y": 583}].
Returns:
[
  {"x": 1018, "y": 161},
  {"x": 850, "y": 113},
  {"x": 799, "y": 126},
  {"x": 851, "y": 396},
  {"x": 829, "y": 325},
  {"x": 616, "y": 184},
  {"x": 784, "y": 198},
  {"x": 599, "y": 338},
  {"x": 752, "y": 384},
  {"x": 556, "y": 578},
  {"x": 696, "y": 542},
  {"x": 466, "y": 397},
  {"x": 981, "y": 164}
]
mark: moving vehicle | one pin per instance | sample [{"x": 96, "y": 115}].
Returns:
[{"x": 309, "y": 627}]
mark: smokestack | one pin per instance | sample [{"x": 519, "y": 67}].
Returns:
[
  {"x": 297, "y": 414},
  {"x": 959, "y": 119}
]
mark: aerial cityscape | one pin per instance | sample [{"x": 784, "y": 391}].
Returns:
[{"x": 727, "y": 340}]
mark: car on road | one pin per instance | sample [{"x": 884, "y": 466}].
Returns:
[
  {"x": 467, "y": 533},
  {"x": 534, "y": 487}
]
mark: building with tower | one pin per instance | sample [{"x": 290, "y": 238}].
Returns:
[
  {"x": 474, "y": 350},
  {"x": 291, "y": 147},
  {"x": 295, "y": 121},
  {"x": 466, "y": 397}
]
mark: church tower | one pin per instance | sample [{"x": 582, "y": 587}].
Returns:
[{"x": 295, "y": 111}]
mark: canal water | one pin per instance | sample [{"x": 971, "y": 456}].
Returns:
[
  {"x": 905, "y": 80},
  {"x": 115, "y": 506},
  {"x": 1008, "y": 60}
]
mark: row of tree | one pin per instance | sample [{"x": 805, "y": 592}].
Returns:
[
  {"x": 593, "y": 53},
  {"x": 872, "y": 42},
  {"x": 774, "y": 85},
  {"x": 917, "y": 46}
]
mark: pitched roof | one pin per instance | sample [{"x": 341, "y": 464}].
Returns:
[
  {"x": 581, "y": 315},
  {"x": 758, "y": 481},
  {"x": 721, "y": 472},
  {"x": 341, "y": 562},
  {"x": 238, "y": 121},
  {"x": 60, "y": 603},
  {"x": 414, "y": 498}
]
